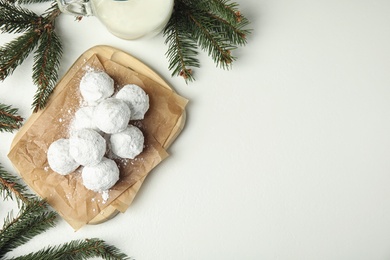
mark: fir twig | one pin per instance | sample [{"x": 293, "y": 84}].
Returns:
[
  {"x": 10, "y": 187},
  {"x": 47, "y": 60},
  {"x": 30, "y": 1},
  {"x": 9, "y": 119},
  {"x": 33, "y": 219},
  {"x": 39, "y": 35},
  {"x": 14, "y": 53},
  {"x": 216, "y": 26},
  {"x": 182, "y": 49},
  {"x": 228, "y": 20},
  {"x": 15, "y": 19},
  {"x": 211, "y": 39},
  {"x": 77, "y": 249}
]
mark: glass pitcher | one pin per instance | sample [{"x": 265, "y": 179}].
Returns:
[{"x": 126, "y": 19}]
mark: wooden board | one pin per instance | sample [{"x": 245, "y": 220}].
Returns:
[{"x": 109, "y": 53}]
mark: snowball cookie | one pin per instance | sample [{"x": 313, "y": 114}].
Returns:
[
  {"x": 101, "y": 176},
  {"x": 59, "y": 158},
  {"x": 83, "y": 118},
  {"x": 112, "y": 115},
  {"x": 87, "y": 147},
  {"x": 96, "y": 86},
  {"x": 136, "y": 98},
  {"x": 128, "y": 143}
]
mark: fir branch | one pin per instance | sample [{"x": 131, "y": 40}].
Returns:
[
  {"x": 15, "y": 19},
  {"x": 51, "y": 14},
  {"x": 10, "y": 187},
  {"x": 33, "y": 219},
  {"x": 39, "y": 32},
  {"x": 210, "y": 38},
  {"x": 47, "y": 61},
  {"x": 228, "y": 19},
  {"x": 204, "y": 30},
  {"x": 14, "y": 53},
  {"x": 224, "y": 8},
  {"x": 77, "y": 249},
  {"x": 30, "y": 1},
  {"x": 216, "y": 26},
  {"x": 9, "y": 119},
  {"x": 182, "y": 49}
]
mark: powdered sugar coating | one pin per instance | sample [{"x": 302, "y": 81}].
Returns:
[
  {"x": 59, "y": 158},
  {"x": 128, "y": 143},
  {"x": 83, "y": 119},
  {"x": 87, "y": 147},
  {"x": 112, "y": 115},
  {"x": 136, "y": 98},
  {"x": 95, "y": 86},
  {"x": 101, "y": 176}
]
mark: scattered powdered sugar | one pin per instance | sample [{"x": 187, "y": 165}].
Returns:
[
  {"x": 105, "y": 196},
  {"x": 98, "y": 120},
  {"x": 66, "y": 116},
  {"x": 136, "y": 98}
]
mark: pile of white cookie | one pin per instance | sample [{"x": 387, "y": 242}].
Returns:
[{"x": 101, "y": 125}]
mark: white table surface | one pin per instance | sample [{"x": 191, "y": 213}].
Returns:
[{"x": 286, "y": 156}]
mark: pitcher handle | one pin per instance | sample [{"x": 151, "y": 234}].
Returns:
[{"x": 75, "y": 7}]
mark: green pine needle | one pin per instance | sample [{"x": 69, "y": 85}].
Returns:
[
  {"x": 33, "y": 219},
  {"x": 228, "y": 20},
  {"x": 77, "y": 249},
  {"x": 47, "y": 60},
  {"x": 182, "y": 49},
  {"x": 11, "y": 188},
  {"x": 211, "y": 39},
  {"x": 46, "y": 65},
  {"x": 215, "y": 26},
  {"x": 9, "y": 119},
  {"x": 15, "y": 19},
  {"x": 14, "y": 53},
  {"x": 30, "y": 1},
  {"x": 39, "y": 35}
]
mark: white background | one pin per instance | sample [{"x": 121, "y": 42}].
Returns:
[{"x": 285, "y": 156}]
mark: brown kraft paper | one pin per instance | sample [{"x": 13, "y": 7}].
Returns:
[{"x": 66, "y": 194}]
